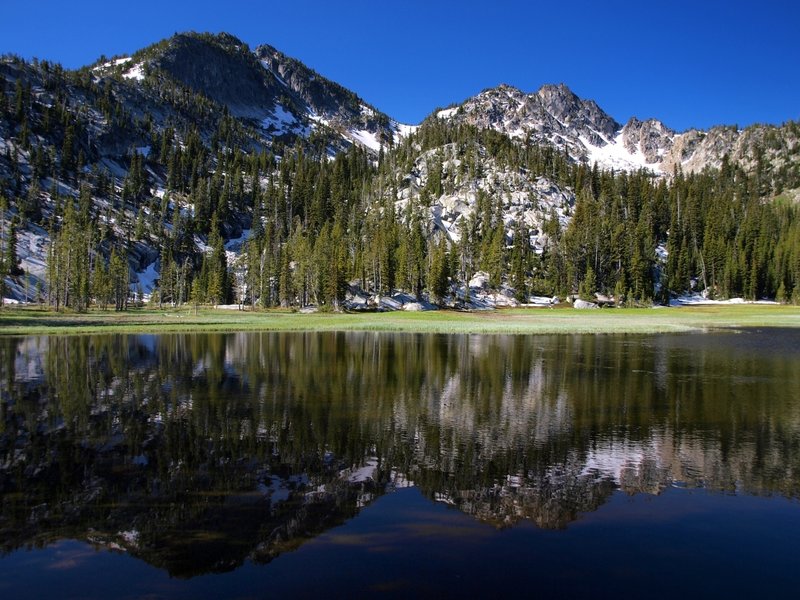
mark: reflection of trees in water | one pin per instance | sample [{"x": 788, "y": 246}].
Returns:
[{"x": 212, "y": 448}]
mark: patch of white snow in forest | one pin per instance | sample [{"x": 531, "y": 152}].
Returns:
[
  {"x": 281, "y": 119},
  {"x": 366, "y": 138},
  {"x": 403, "y": 131},
  {"x": 366, "y": 110},
  {"x": 113, "y": 63},
  {"x": 134, "y": 72},
  {"x": 318, "y": 118}
]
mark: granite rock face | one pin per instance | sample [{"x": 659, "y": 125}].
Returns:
[
  {"x": 554, "y": 115},
  {"x": 651, "y": 137}
]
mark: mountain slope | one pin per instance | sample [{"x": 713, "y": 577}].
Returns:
[
  {"x": 179, "y": 153},
  {"x": 191, "y": 95},
  {"x": 326, "y": 102},
  {"x": 555, "y": 116},
  {"x": 277, "y": 95}
]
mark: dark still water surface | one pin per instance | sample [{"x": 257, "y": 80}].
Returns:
[{"x": 350, "y": 464}]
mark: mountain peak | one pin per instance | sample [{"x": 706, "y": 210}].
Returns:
[
  {"x": 552, "y": 115},
  {"x": 506, "y": 87},
  {"x": 221, "y": 67},
  {"x": 277, "y": 95},
  {"x": 222, "y": 38},
  {"x": 189, "y": 41},
  {"x": 556, "y": 89}
]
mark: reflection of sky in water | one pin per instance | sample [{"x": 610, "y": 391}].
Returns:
[{"x": 402, "y": 544}]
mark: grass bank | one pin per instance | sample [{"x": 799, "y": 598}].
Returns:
[{"x": 32, "y": 320}]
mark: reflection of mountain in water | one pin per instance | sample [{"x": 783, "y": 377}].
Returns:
[{"x": 196, "y": 452}]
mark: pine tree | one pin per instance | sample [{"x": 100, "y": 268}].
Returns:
[
  {"x": 519, "y": 260},
  {"x": 119, "y": 279},
  {"x": 285, "y": 292},
  {"x": 3, "y": 267},
  {"x": 10, "y": 259},
  {"x": 101, "y": 284},
  {"x": 438, "y": 271},
  {"x": 68, "y": 151},
  {"x": 588, "y": 285},
  {"x": 217, "y": 284}
]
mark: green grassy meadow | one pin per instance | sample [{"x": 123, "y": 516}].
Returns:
[{"x": 34, "y": 320}]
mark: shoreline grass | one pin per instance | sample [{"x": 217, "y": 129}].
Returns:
[{"x": 35, "y": 321}]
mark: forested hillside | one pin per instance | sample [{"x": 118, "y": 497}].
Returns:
[{"x": 200, "y": 171}]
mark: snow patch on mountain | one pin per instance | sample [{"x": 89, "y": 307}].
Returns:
[
  {"x": 555, "y": 116},
  {"x": 281, "y": 121},
  {"x": 135, "y": 73},
  {"x": 32, "y": 245},
  {"x": 614, "y": 155},
  {"x": 236, "y": 244},
  {"x": 111, "y": 64},
  {"x": 323, "y": 104},
  {"x": 366, "y": 138},
  {"x": 403, "y": 131},
  {"x": 447, "y": 112}
]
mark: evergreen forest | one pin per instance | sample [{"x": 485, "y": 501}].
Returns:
[{"x": 322, "y": 221}]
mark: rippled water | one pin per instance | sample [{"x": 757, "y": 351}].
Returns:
[{"x": 257, "y": 464}]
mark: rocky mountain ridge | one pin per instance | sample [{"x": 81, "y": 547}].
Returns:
[
  {"x": 277, "y": 95},
  {"x": 554, "y": 115},
  {"x": 283, "y": 98}
]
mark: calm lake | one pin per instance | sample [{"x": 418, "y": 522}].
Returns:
[{"x": 348, "y": 464}]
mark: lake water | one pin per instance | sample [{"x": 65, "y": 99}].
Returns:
[{"x": 348, "y": 464}]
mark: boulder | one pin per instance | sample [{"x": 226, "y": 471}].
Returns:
[
  {"x": 480, "y": 280},
  {"x": 413, "y": 306},
  {"x": 583, "y": 304}
]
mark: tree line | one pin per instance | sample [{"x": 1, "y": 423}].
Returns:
[{"x": 317, "y": 223}]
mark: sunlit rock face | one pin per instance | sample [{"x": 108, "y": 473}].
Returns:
[
  {"x": 526, "y": 201},
  {"x": 555, "y": 116}
]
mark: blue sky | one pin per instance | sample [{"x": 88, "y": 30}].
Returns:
[{"x": 691, "y": 64}]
